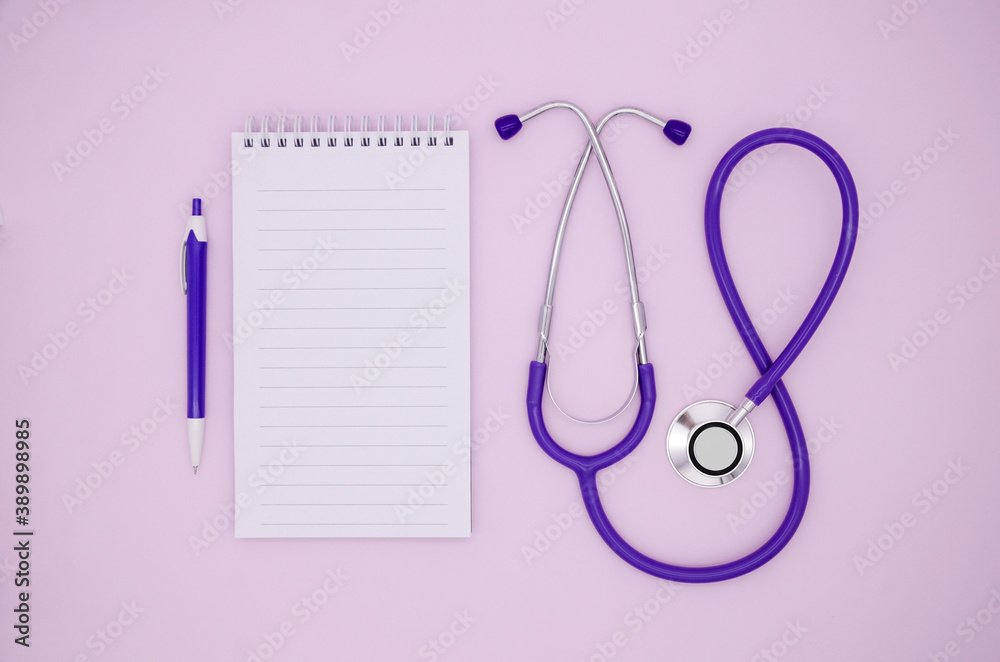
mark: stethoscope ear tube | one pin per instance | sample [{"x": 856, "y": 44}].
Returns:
[
  {"x": 588, "y": 465},
  {"x": 772, "y": 371}
]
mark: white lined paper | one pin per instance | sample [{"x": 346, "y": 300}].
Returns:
[{"x": 351, "y": 340}]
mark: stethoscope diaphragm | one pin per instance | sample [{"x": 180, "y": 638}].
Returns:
[{"x": 705, "y": 449}]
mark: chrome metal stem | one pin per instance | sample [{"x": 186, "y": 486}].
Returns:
[
  {"x": 737, "y": 416},
  {"x": 594, "y": 145}
]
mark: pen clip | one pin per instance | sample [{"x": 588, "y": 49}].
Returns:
[{"x": 184, "y": 285}]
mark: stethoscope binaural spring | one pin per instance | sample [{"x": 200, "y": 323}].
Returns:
[{"x": 710, "y": 443}]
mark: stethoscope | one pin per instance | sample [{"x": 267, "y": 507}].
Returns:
[{"x": 710, "y": 443}]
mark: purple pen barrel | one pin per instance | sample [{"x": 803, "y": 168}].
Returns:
[{"x": 196, "y": 265}]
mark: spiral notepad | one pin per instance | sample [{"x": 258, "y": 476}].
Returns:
[{"x": 351, "y": 329}]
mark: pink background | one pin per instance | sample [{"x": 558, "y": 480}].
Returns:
[{"x": 879, "y": 99}]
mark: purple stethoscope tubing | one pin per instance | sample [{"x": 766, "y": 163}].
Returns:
[{"x": 586, "y": 467}]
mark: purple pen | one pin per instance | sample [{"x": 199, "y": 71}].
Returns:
[{"x": 194, "y": 277}]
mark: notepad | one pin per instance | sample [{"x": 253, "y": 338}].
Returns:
[{"x": 351, "y": 332}]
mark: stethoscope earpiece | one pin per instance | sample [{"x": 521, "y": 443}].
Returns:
[
  {"x": 706, "y": 445},
  {"x": 677, "y": 131},
  {"x": 508, "y": 126}
]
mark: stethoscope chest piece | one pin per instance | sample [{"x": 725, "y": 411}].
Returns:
[{"x": 705, "y": 449}]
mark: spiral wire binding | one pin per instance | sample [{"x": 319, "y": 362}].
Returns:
[
  {"x": 429, "y": 136},
  {"x": 247, "y": 130},
  {"x": 314, "y": 131},
  {"x": 265, "y": 134},
  {"x": 398, "y": 130},
  {"x": 282, "y": 141}
]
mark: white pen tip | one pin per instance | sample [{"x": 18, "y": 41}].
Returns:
[{"x": 195, "y": 471}]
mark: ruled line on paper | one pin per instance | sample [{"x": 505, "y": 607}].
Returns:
[
  {"x": 354, "y": 347},
  {"x": 348, "y": 308},
  {"x": 348, "y": 504},
  {"x": 380, "y": 248},
  {"x": 349, "y": 229},
  {"x": 360, "y": 426},
  {"x": 349, "y": 484},
  {"x": 345, "y": 367},
  {"x": 372, "y": 386},
  {"x": 354, "y": 209},
  {"x": 301, "y": 466},
  {"x": 341, "y": 289},
  {"x": 345, "y": 190},
  {"x": 337, "y": 328},
  {"x": 354, "y": 523},
  {"x": 360, "y": 269},
  {"x": 353, "y": 406},
  {"x": 355, "y": 445}
]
